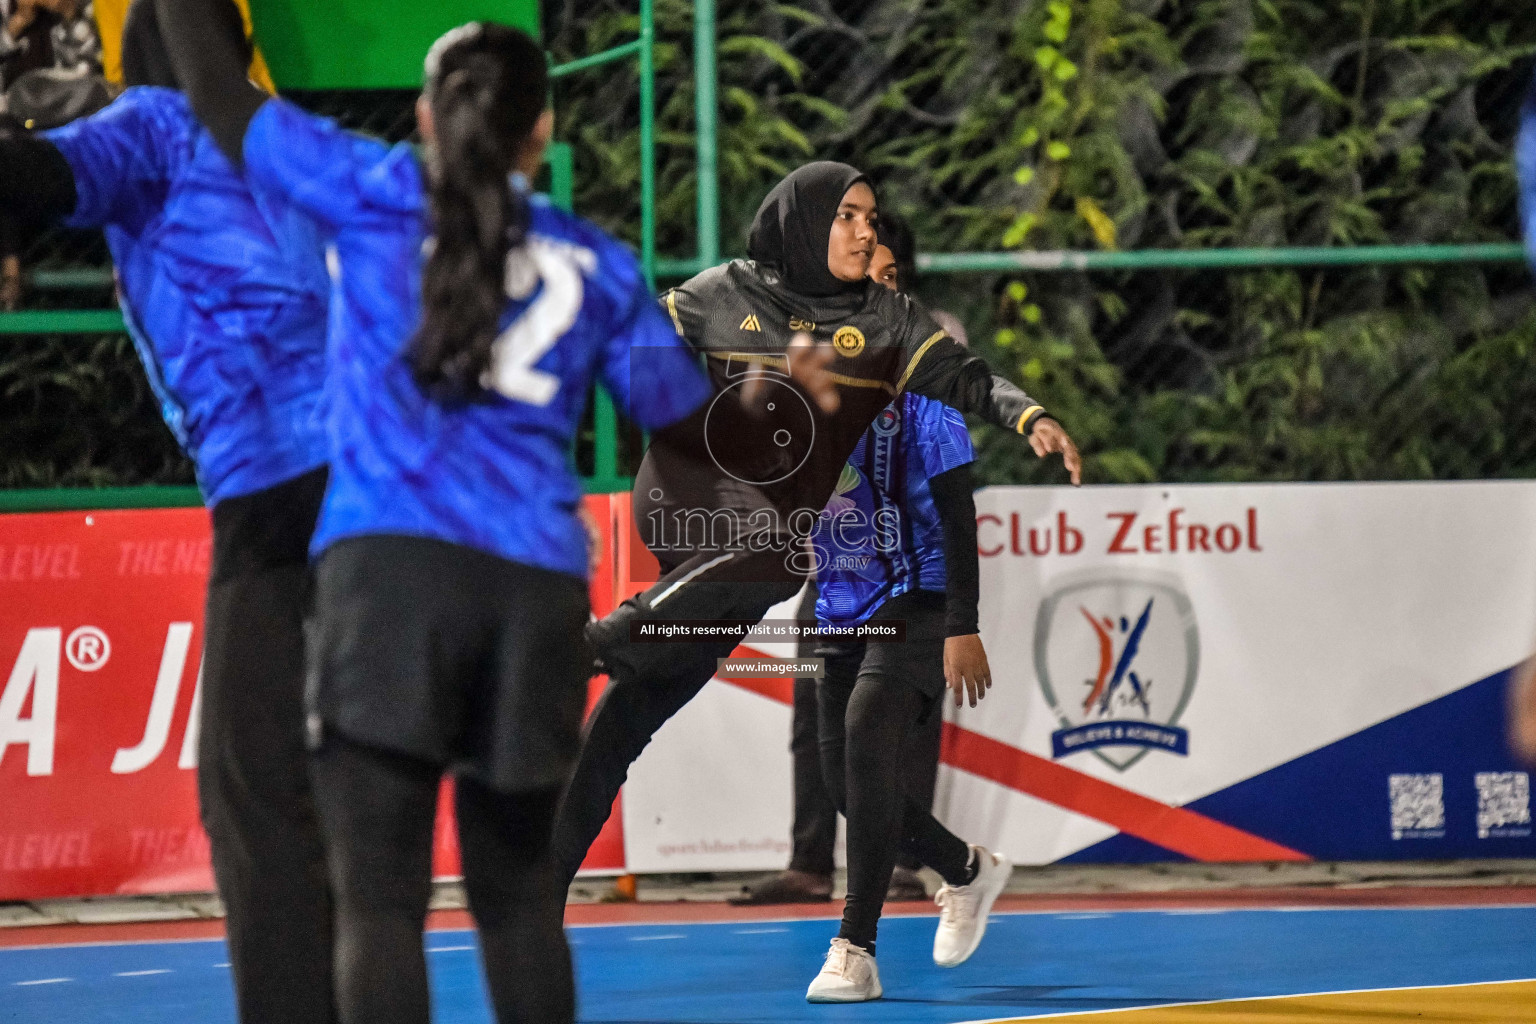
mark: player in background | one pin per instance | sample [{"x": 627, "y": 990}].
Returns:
[
  {"x": 469, "y": 320},
  {"x": 810, "y": 249},
  {"x": 898, "y": 544},
  {"x": 808, "y": 879},
  {"x": 225, "y": 299}
]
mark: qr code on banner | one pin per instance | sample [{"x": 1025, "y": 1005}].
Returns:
[
  {"x": 1418, "y": 803},
  {"x": 1503, "y": 799}
]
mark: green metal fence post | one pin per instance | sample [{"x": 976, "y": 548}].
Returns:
[
  {"x": 1219, "y": 259},
  {"x": 706, "y": 143},
  {"x": 562, "y": 174},
  {"x": 94, "y": 499},
  {"x": 605, "y": 420},
  {"x": 593, "y": 60},
  {"x": 648, "y": 141}
]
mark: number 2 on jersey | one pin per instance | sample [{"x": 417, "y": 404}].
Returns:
[{"x": 543, "y": 323}]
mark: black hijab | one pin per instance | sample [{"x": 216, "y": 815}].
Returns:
[{"x": 791, "y": 228}]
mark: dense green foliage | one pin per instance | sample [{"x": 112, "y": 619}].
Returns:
[
  {"x": 1149, "y": 124},
  {"x": 77, "y": 411},
  {"x": 1071, "y": 124}
]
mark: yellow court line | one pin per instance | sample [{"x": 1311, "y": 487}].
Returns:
[{"x": 1498, "y": 1002}]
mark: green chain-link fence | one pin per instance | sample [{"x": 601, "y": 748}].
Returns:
[
  {"x": 1299, "y": 214},
  {"x": 80, "y": 428},
  {"x": 1267, "y": 190}
]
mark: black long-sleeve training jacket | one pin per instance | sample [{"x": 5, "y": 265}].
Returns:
[{"x": 742, "y": 319}]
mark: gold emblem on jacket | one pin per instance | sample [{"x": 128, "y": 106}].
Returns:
[
  {"x": 796, "y": 324},
  {"x": 849, "y": 341}
]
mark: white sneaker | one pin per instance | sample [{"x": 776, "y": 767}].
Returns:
[
  {"x": 963, "y": 909},
  {"x": 848, "y": 976}
]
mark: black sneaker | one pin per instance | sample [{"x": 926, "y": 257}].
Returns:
[
  {"x": 906, "y": 887},
  {"x": 786, "y": 887}
]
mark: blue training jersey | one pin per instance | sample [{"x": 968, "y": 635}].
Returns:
[
  {"x": 880, "y": 535},
  {"x": 493, "y": 474},
  {"x": 224, "y": 295}
]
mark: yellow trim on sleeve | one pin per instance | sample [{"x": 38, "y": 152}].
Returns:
[
  {"x": 922, "y": 350},
  {"x": 865, "y": 382},
  {"x": 672, "y": 308},
  {"x": 1027, "y": 414},
  {"x": 782, "y": 364},
  {"x": 777, "y": 362}
]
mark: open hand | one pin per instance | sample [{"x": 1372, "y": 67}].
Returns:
[
  {"x": 810, "y": 365},
  {"x": 965, "y": 668},
  {"x": 1047, "y": 436}
]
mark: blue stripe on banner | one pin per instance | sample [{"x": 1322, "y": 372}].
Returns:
[
  {"x": 1116, "y": 733},
  {"x": 1434, "y": 782}
]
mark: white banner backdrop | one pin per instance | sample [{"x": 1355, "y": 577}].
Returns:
[{"x": 1217, "y": 632}]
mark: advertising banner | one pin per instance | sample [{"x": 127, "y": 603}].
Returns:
[
  {"x": 100, "y": 640},
  {"x": 100, "y": 655},
  {"x": 1217, "y": 673},
  {"x": 1213, "y": 673}
]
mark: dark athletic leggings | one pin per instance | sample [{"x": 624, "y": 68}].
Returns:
[
  {"x": 869, "y": 709},
  {"x": 252, "y": 769},
  {"x": 651, "y": 682},
  {"x": 377, "y": 811}
]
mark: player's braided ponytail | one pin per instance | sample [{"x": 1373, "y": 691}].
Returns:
[{"x": 486, "y": 84}]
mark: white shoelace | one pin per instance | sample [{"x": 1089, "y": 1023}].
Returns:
[
  {"x": 837, "y": 958},
  {"x": 956, "y": 899}
]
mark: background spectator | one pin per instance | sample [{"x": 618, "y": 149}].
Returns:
[
  {"x": 50, "y": 69},
  {"x": 48, "y": 34}
]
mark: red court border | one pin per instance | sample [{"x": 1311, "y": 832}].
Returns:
[{"x": 1443, "y": 896}]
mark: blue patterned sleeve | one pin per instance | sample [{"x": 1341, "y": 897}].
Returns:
[
  {"x": 651, "y": 373},
  {"x": 309, "y": 161},
  {"x": 120, "y": 159},
  {"x": 940, "y": 435}
]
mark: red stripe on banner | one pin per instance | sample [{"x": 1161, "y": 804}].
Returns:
[
  {"x": 1177, "y": 829},
  {"x": 1173, "y": 828}
]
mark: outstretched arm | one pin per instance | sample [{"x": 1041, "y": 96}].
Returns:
[
  {"x": 211, "y": 64},
  {"x": 939, "y": 368}
]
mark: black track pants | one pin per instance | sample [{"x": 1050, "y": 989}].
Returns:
[
  {"x": 252, "y": 777},
  {"x": 869, "y": 711},
  {"x": 650, "y": 682},
  {"x": 378, "y": 810}
]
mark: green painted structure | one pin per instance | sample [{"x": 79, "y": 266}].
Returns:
[{"x": 366, "y": 44}]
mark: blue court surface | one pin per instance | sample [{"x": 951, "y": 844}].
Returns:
[{"x": 1031, "y": 964}]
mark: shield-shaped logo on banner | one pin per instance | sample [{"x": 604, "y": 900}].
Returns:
[{"x": 1117, "y": 653}]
